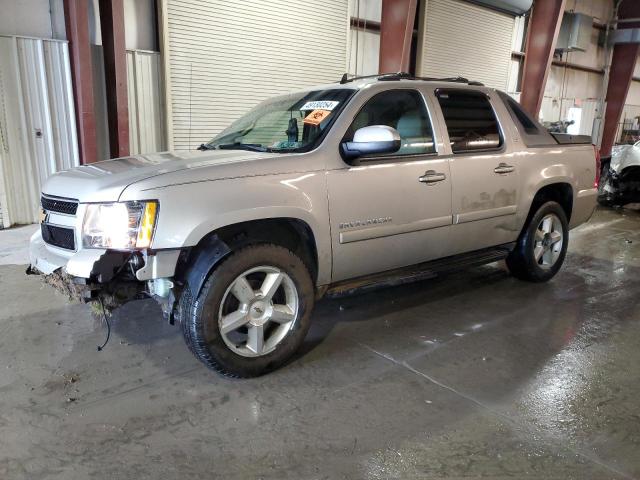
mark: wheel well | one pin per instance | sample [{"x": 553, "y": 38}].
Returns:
[
  {"x": 556, "y": 192},
  {"x": 291, "y": 233}
]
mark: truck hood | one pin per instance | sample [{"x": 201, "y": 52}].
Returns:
[{"x": 105, "y": 181}]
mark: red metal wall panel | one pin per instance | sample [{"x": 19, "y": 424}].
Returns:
[
  {"x": 396, "y": 30},
  {"x": 77, "y": 26},
  {"x": 623, "y": 62},
  {"x": 115, "y": 68},
  {"x": 542, "y": 34}
]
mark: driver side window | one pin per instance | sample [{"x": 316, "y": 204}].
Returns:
[{"x": 403, "y": 110}]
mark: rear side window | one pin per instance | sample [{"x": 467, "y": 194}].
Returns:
[
  {"x": 527, "y": 123},
  {"x": 470, "y": 119},
  {"x": 533, "y": 134}
]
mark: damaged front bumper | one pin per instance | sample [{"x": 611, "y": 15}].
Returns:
[
  {"x": 114, "y": 277},
  {"x": 619, "y": 188},
  {"x": 47, "y": 260}
]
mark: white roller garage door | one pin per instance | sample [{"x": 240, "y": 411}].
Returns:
[
  {"x": 37, "y": 122},
  {"x": 458, "y": 38},
  {"x": 226, "y": 56}
]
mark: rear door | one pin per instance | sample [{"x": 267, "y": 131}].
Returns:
[
  {"x": 391, "y": 210},
  {"x": 484, "y": 170}
]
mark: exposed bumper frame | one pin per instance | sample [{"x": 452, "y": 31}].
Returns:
[{"x": 94, "y": 263}]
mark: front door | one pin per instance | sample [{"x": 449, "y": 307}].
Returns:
[{"x": 391, "y": 210}]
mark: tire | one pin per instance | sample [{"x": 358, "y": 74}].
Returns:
[
  {"x": 527, "y": 261},
  {"x": 237, "y": 291}
]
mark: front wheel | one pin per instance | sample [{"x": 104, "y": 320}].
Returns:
[
  {"x": 542, "y": 246},
  {"x": 252, "y": 313}
]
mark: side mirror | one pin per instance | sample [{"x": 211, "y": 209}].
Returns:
[{"x": 370, "y": 140}]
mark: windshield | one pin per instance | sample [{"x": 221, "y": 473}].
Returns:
[{"x": 290, "y": 123}]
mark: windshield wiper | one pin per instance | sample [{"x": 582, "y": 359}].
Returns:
[{"x": 252, "y": 147}]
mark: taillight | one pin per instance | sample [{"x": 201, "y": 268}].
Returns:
[{"x": 596, "y": 182}]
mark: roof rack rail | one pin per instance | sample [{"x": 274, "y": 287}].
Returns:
[{"x": 407, "y": 76}]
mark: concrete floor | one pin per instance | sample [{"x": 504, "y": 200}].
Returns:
[{"x": 468, "y": 376}]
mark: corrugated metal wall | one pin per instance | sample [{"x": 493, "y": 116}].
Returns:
[
  {"x": 4, "y": 212},
  {"x": 100, "y": 103},
  {"x": 146, "y": 99},
  {"x": 364, "y": 45},
  {"x": 37, "y": 121},
  {"x": 460, "y": 38},
  {"x": 226, "y": 56},
  {"x": 590, "y": 111}
]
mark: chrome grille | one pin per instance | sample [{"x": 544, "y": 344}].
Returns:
[{"x": 66, "y": 206}]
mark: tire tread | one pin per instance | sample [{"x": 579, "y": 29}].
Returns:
[
  {"x": 191, "y": 311},
  {"x": 519, "y": 260}
]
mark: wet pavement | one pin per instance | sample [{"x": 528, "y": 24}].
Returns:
[{"x": 473, "y": 375}]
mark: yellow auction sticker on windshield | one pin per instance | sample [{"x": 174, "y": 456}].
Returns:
[{"x": 316, "y": 117}]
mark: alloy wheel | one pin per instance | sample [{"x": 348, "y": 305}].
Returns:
[
  {"x": 257, "y": 311},
  {"x": 548, "y": 241}
]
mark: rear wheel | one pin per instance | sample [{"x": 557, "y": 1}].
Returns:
[
  {"x": 253, "y": 312},
  {"x": 542, "y": 246}
]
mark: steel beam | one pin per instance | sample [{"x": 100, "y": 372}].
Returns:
[
  {"x": 77, "y": 26},
  {"x": 396, "y": 31},
  {"x": 623, "y": 62},
  {"x": 115, "y": 69},
  {"x": 542, "y": 34}
]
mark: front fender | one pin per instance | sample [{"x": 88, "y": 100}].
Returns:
[{"x": 188, "y": 212}]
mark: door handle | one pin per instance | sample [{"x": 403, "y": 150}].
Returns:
[
  {"x": 504, "y": 168},
  {"x": 431, "y": 176}
]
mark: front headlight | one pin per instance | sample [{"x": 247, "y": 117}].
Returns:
[{"x": 121, "y": 226}]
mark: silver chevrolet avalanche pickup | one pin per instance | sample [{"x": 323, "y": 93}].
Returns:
[{"x": 331, "y": 190}]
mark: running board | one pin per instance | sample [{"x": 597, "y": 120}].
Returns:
[{"x": 422, "y": 271}]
